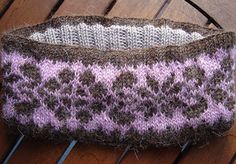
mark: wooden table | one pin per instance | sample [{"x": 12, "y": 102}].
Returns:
[{"x": 211, "y": 13}]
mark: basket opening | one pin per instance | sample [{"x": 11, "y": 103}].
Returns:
[{"x": 115, "y": 37}]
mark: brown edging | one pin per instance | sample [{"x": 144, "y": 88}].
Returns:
[
  {"x": 18, "y": 41},
  {"x": 201, "y": 135}
]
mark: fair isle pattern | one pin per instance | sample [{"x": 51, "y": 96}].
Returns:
[
  {"x": 119, "y": 81},
  {"x": 157, "y": 97}
]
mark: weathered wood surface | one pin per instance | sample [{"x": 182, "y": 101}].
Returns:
[
  {"x": 4, "y": 4},
  {"x": 136, "y": 8},
  {"x": 181, "y": 11},
  {"x": 26, "y": 12},
  {"x": 224, "y": 12},
  {"x": 83, "y": 7}
]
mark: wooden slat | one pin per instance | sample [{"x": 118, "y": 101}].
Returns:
[
  {"x": 83, "y": 7},
  {"x": 152, "y": 155},
  {"x": 136, "y": 8},
  {"x": 25, "y": 12},
  {"x": 4, "y": 5},
  {"x": 31, "y": 152},
  {"x": 91, "y": 154},
  {"x": 218, "y": 151},
  {"x": 180, "y": 10},
  {"x": 223, "y": 11}
]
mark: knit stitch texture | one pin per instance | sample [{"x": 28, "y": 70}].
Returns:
[{"x": 119, "y": 81}]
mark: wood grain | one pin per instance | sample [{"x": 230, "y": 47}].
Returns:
[
  {"x": 152, "y": 155},
  {"x": 224, "y": 12},
  {"x": 93, "y": 154},
  {"x": 136, "y": 8},
  {"x": 26, "y": 12},
  {"x": 83, "y": 7},
  {"x": 32, "y": 152},
  {"x": 4, "y": 5},
  {"x": 180, "y": 10}
]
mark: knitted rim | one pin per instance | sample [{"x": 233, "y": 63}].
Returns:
[
  {"x": 18, "y": 40},
  {"x": 150, "y": 92}
]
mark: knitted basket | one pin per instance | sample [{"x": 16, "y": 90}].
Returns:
[{"x": 119, "y": 81}]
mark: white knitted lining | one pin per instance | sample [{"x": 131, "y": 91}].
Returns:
[{"x": 115, "y": 37}]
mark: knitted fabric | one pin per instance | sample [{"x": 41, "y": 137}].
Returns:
[
  {"x": 119, "y": 81},
  {"x": 115, "y": 37}
]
